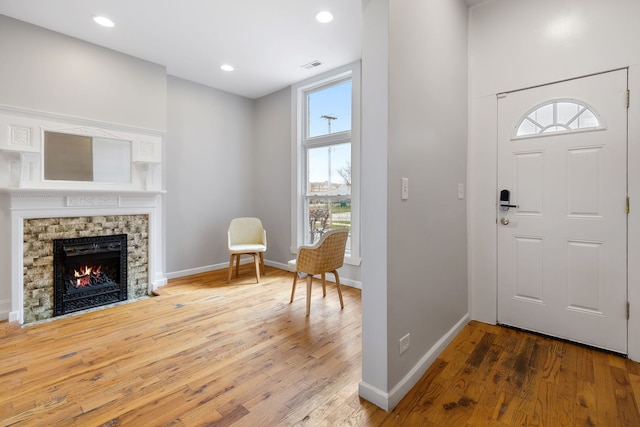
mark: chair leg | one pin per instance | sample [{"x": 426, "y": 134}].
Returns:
[
  {"x": 293, "y": 288},
  {"x": 256, "y": 261},
  {"x": 324, "y": 285},
  {"x": 262, "y": 263},
  {"x": 237, "y": 265},
  {"x": 309, "y": 279},
  {"x": 230, "y": 267},
  {"x": 335, "y": 273}
]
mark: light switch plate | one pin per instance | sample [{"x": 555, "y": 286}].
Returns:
[{"x": 405, "y": 189}]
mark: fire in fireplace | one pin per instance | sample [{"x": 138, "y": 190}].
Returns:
[{"x": 89, "y": 272}]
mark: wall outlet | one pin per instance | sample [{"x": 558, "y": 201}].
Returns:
[{"x": 404, "y": 343}]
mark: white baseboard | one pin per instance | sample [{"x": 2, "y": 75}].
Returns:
[
  {"x": 348, "y": 282},
  {"x": 5, "y": 309},
  {"x": 388, "y": 401},
  {"x": 374, "y": 395},
  {"x": 274, "y": 264},
  {"x": 343, "y": 280},
  {"x": 219, "y": 266},
  {"x": 175, "y": 274},
  {"x": 198, "y": 270}
]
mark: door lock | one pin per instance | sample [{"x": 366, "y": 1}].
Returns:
[
  {"x": 505, "y": 200},
  {"x": 504, "y": 221}
]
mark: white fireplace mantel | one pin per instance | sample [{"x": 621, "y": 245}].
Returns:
[
  {"x": 25, "y": 194},
  {"x": 22, "y": 150}
]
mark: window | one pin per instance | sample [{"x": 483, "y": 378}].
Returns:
[
  {"x": 565, "y": 115},
  {"x": 326, "y": 141}
]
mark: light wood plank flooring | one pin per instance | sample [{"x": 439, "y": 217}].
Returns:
[{"x": 206, "y": 352}]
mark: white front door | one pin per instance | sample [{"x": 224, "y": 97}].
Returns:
[{"x": 562, "y": 245}]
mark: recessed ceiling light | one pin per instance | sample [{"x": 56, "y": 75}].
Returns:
[
  {"x": 104, "y": 21},
  {"x": 324, "y": 16},
  {"x": 226, "y": 67}
]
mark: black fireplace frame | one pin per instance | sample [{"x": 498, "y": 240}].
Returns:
[{"x": 81, "y": 248}]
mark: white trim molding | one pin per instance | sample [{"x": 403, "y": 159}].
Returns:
[
  {"x": 220, "y": 266},
  {"x": 298, "y": 101},
  {"x": 388, "y": 401}
]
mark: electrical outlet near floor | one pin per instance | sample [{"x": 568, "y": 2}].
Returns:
[{"x": 404, "y": 343}]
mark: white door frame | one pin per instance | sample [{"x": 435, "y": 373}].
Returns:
[
  {"x": 482, "y": 230},
  {"x": 546, "y": 175}
]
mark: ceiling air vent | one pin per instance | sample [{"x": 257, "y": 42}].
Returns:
[{"x": 312, "y": 64}]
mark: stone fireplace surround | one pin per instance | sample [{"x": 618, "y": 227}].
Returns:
[
  {"x": 39, "y": 276},
  {"x": 57, "y": 209},
  {"x": 37, "y": 218}
]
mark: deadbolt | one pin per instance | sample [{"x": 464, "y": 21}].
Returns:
[{"x": 504, "y": 221}]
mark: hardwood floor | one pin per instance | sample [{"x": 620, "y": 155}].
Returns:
[
  {"x": 496, "y": 376},
  {"x": 206, "y": 352}
]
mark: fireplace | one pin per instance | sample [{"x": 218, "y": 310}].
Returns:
[{"x": 89, "y": 272}]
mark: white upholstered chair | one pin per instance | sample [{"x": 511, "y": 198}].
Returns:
[
  {"x": 246, "y": 236},
  {"x": 325, "y": 256}
]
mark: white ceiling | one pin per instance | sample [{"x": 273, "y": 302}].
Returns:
[{"x": 267, "y": 41}]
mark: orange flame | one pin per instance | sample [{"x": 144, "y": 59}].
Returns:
[{"x": 85, "y": 273}]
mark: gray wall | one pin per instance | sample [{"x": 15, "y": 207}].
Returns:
[
  {"x": 427, "y": 143},
  {"x": 209, "y": 175},
  {"x": 271, "y": 192},
  {"x": 47, "y": 71},
  {"x": 424, "y": 292},
  {"x": 375, "y": 89}
]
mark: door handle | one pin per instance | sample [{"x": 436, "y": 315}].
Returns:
[{"x": 505, "y": 199}]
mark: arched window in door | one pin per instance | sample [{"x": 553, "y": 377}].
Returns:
[{"x": 564, "y": 115}]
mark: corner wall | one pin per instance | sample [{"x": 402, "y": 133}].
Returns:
[
  {"x": 424, "y": 288},
  {"x": 209, "y": 173},
  {"x": 375, "y": 110},
  {"x": 428, "y": 145},
  {"x": 271, "y": 195}
]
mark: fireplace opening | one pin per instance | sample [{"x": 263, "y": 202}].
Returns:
[{"x": 89, "y": 272}]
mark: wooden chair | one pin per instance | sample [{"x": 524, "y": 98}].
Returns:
[
  {"x": 327, "y": 255},
  {"x": 246, "y": 236}
]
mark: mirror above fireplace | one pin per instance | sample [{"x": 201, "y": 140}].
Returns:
[
  {"x": 45, "y": 151},
  {"x": 70, "y": 157}
]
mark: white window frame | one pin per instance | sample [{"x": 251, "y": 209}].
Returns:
[
  {"x": 298, "y": 136},
  {"x": 556, "y": 123}
]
